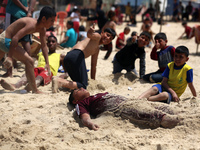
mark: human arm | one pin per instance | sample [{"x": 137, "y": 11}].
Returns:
[
  {"x": 153, "y": 54},
  {"x": 92, "y": 34},
  {"x": 166, "y": 87},
  {"x": 94, "y": 64},
  {"x": 31, "y": 7},
  {"x": 192, "y": 89},
  {"x": 20, "y": 5},
  {"x": 65, "y": 40},
  {"x": 86, "y": 120},
  {"x": 45, "y": 49},
  {"x": 182, "y": 35},
  {"x": 142, "y": 65}
]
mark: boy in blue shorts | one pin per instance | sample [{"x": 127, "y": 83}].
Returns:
[
  {"x": 175, "y": 79},
  {"x": 163, "y": 54}
]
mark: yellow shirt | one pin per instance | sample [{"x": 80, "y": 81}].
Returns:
[{"x": 54, "y": 62}]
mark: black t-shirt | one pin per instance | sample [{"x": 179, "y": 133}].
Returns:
[{"x": 127, "y": 55}]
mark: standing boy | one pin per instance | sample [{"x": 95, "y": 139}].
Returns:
[
  {"x": 161, "y": 53},
  {"x": 41, "y": 75},
  {"x": 74, "y": 61},
  {"x": 125, "y": 58},
  {"x": 10, "y": 37},
  {"x": 175, "y": 79}
]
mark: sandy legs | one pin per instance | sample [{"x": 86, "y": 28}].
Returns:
[
  {"x": 169, "y": 121},
  {"x": 151, "y": 95},
  {"x": 60, "y": 82}
]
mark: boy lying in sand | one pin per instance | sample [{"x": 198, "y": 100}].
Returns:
[
  {"x": 10, "y": 37},
  {"x": 42, "y": 77},
  {"x": 152, "y": 115}
]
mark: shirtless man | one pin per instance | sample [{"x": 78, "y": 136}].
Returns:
[
  {"x": 10, "y": 37},
  {"x": 74, "y": 61}
]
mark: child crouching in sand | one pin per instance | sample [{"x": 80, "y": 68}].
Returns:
[{"x": 10, "y": 37}]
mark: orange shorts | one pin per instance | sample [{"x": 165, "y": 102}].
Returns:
[{"x": 39, "y": 71}]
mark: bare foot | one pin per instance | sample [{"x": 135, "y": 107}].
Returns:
[
  {"x": 7, "y": 63},
  {"x": 54, "y": 85},
  {"x": 7, "y": 85},
  {"x": 169, "y": 121},
  {"x": 39, "y": 92}
]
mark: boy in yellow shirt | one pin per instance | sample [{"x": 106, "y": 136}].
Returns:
[{"x": 176, "y": 77}]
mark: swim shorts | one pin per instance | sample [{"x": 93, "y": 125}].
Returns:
[
  {"x": 74, "y": 64},
  {"x": 160, "y": 89},
  {"x": 4, "y": 43},
  {"x": 39, "y": 71}
]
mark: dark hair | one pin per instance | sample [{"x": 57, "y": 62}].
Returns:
[
  {"x": 182, "y": 49},
  {"x": 111, "y": 31},
  {"x": 127, "y": 28},
  {"x": 71, "y": 98},
  {"x": 147, "y": 34},
  {"x": 81, "y": 28},
  {"x": 160, "y": 35},
  {"x": 52, "y": 36},
  {"x": 133, "y": 33},
  {"x": 70, "y": 23},
  {"x": 51, "y": 29},
  {"x": 46, "y": 12},
  {"x": 184, "y": 22},
  {"x": 111, "y": 14}
]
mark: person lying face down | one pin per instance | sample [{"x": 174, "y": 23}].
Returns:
[{"x": 152, "y": 115}]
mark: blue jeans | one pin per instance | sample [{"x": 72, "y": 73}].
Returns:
[{"x": 155, "y": 77}]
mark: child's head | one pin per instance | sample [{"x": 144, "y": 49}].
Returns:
[
  {"x": 126, "y": 30},
  {"x": 52, "y": 43},
  {"x": 111, "y": 15},
  {"x": 70, "y": 24},
  {"x": 107, "y": 35},
  {"x": 181, "y": 55},
  {"x": 75, "y": 9},
  {"x": 81, "y": 28},
  {"x": 184, "y": 23},
  {"x": 134, "y": 36},
  {"x": 47, "y": 12},
  {"x": 144, "y": 39},
  {"x": 161, "y": 40}
]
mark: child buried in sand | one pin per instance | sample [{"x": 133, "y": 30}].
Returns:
[{"x": 42, "y": 77}]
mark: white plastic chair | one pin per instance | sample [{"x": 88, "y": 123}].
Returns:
[{"x": 36, "y": 14}]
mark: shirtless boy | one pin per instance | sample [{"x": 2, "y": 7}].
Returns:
[
  {"x": 74, "y": 61},
  {"x": 41, "y": 75},
  {"x": 10, "y": 37}
]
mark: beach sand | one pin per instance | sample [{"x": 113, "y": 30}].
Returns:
[{"x": 47, "y": 122}]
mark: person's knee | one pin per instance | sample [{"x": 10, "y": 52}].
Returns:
[
  {"x": 154, "y": 89},
  {"x": 29, "y": 62},
  {"x": 164, "y": 95}
]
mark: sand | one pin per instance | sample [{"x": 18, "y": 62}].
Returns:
[{"x": 47, "y": 122}]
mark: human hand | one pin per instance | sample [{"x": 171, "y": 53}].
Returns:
[
  {"x": 175, "y": 97},
  {"x": 91, "y": 30},
  {"x": 157, "y": 45},
  {"x": 8, "y": 63},
  {"x": 48, "y": 69},
  {"x": 94, "y": 127}
]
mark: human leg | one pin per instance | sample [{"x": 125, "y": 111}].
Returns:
[
  {"x": 117, "y": 68},
  {"x": 150, "y": 92},
  {"x": 58, "y": 82},
  {"x": 156, "y": 77},
  {"x": 12, "y": 87},
  {"x": 21, "y": 55}
]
